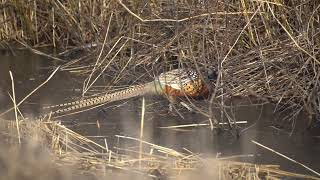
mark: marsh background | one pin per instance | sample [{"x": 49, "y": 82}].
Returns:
[{"x": 265, "y": 53}]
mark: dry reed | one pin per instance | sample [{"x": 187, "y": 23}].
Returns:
[
  {"x": 68, "y": 148},
  {"x": 266, "y": 49}
]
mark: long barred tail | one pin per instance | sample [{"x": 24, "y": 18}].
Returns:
[
  {"x": 72, "y": 103},
  {"x": 133, "y": 91},
  {"x": 69, "y": 103}
]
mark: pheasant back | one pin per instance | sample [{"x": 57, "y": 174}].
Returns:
[{"x": 183, "y": 82}]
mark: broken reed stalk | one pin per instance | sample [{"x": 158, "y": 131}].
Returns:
[
  {"x": 111, "y": 60},
  {"x": 33, "y": 91},
  {"x": 15, "y": 107},
  {"x": 97, "y": 64},
  {"x": 177, "y": 20},
  {"x": 162, "y": 149},
  {"x": 199, "y": 125},
  {"x": 292, "y": 38},
  {"x": 282, "y": 155},
  {"x": 35, "y": 51},
  {"x": 143, "y": 108}
]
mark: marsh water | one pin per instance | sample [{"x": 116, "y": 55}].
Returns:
[{"x": 123, "y": 118}]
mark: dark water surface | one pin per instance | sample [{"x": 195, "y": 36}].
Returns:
[{"x": 123, "y": 118}]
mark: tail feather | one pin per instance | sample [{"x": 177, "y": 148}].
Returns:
[
  {"x": 73, "y": 103},
  {"x": 67, "y": 104},
  {"x": 133, "y": 91}
]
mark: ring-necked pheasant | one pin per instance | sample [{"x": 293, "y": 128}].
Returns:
[{"x": 173, "y": 84}]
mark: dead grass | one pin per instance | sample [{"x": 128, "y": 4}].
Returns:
[
  {"x": 266, "y": 49},
  {"x": 54, "y": 148}
]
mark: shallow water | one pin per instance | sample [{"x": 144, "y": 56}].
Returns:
[{"x": 123, "y": 118}]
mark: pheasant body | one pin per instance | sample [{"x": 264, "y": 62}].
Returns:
[
  {"x": 183, "y": 82},
  {"x": 174, "y": 83}
]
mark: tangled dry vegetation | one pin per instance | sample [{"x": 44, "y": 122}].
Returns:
[
  {"x": 267, "y": 49},
  {"x": 49, "y": 150}
]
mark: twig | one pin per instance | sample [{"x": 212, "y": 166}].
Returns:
[
  {"x": 290, "y": 36},
  {"x": 39, "y": 52},
  {"x": 292, "y": 160},
  {"x": 141, "y": 130},
  {"x": 111, "y": 60},
  {"x": 97, "y": 64},
  {"x": 178, "y": 20},
  {"x": 32, "y": 91},
  {"x": 240, "y": 34},
  {"x": 163, "y": 149},
  {"x": 199, "y": 125},
  {"x": 15, "y": 106}
]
